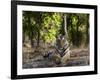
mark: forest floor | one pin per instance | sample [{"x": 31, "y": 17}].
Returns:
[{"x": 78, "y": 57}]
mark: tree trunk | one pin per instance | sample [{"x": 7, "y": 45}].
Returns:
[
  {"x": 31, "y": 31},
  {"x": 65, "y": 24},
  {"x": 23, "y": 37},
  {"x": 38, "y": 39},
  {"x": 87, "y": 31},
  {"x": 31, "y": 39}
]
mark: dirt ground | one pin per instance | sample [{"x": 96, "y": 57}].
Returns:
[{"x": 35, "y": 59}]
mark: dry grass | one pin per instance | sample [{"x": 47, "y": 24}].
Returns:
[{"x": 33, "y": 58}]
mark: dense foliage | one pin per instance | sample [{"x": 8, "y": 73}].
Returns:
[{"x": 46, "y": 26}]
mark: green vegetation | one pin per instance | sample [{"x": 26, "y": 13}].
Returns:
[{"x": 46, "y": 26}]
